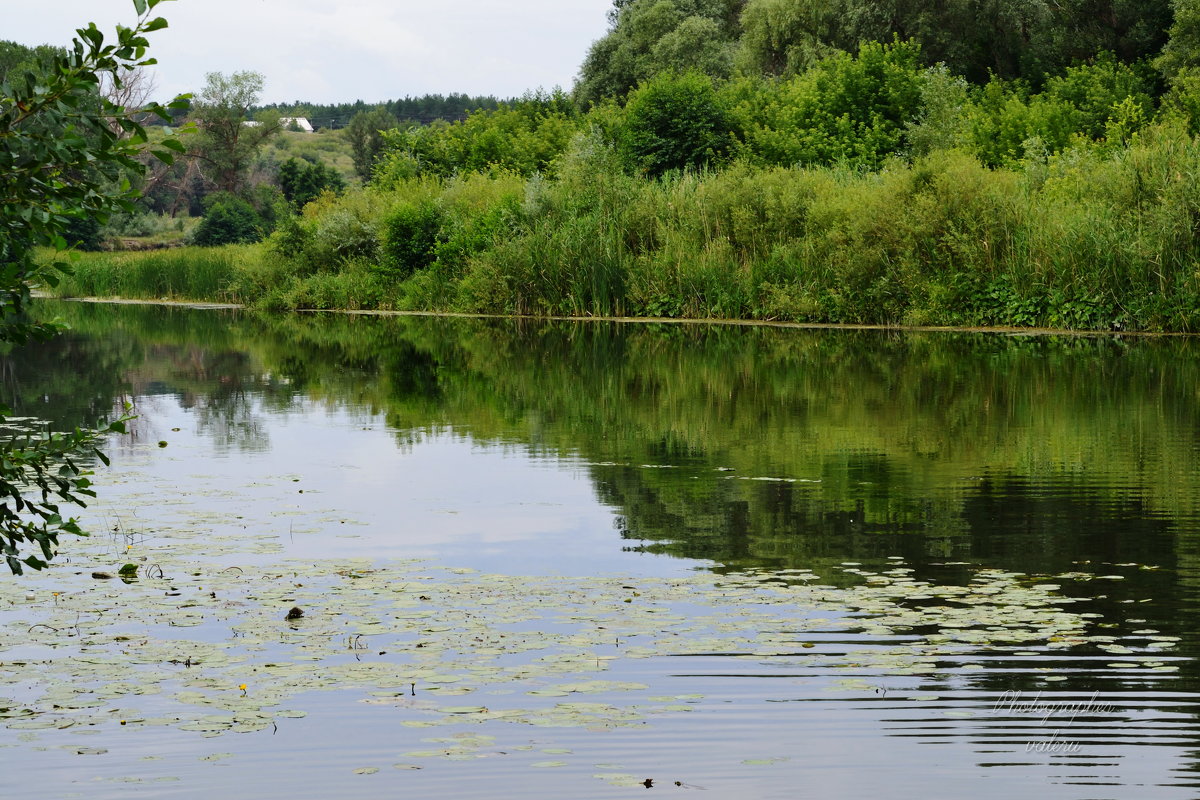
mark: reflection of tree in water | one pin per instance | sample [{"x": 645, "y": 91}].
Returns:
[
  {"x": 890, "y": 439},
  {"x": 760, "y": 521},
  {"x": 221, "y": 389},
  {"x": 231, "y": 420},
  {"x": 70, "y": 381}
]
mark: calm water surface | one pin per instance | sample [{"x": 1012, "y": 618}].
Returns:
[{"x": 641, "y": 454}]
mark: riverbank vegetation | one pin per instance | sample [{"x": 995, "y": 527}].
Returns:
[{"x": 748, "y": 161}]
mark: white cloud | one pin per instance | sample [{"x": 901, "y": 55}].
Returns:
[{"x": 325, "y": 51}]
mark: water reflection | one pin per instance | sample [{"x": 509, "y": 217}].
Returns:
[
  {"x": 750, "y": 447},
  {"x": 1064, "y": 457}
]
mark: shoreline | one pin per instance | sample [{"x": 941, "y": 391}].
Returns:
[{"x": 749, "y": 323}]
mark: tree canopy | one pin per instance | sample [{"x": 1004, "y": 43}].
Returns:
[
  {"x": 226, "y": 141},
  {"x": 1026, "y": 39}
]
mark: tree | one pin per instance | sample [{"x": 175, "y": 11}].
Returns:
[
  {"x": 16, "y": 58},
  {"x": 365, "y": 133},
  {"x": 60, "y": 160},
  {"x": 1182, "y": 52},
  {"x": 786, "y": 37},
  {"x": 133, "y": 90},
  {"x": 652, "y": 36},
  {"x": 227, "y": 140}
]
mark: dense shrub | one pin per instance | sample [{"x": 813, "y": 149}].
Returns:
[
  {"x": 301, "y": 181},
  {"x": 334, "y": 230},
  {"x": 675, "y": 122},
  {"x": 524, "y": 137},
  {"x": 1099, "y": 101},
  {"x": 410, "y": 238},
  {"x": 848, "y": 109},
  {"x": 228, "y": 219},
  {"x": 83, "y": 233},
  {"x": 1096, "y": 90}
]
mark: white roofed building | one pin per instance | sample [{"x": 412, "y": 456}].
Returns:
[{"x": 293, "y": 123}]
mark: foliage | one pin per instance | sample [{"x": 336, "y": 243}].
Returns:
[
  {"x": 144, "y": 225},
  {"x": 675, "y": 122},
  {"x": 224, "y": 144},
  {"x": 652, "y": 36},
  {"x": 365, "y": 133},
  {"x": 18, "y": 59},
  {"x": 233, "y": 273},
  {"x": 783, "y": 38},
  {"x": 847, "y": 109},
  {"x": 1095, "y": 237},
  {"x": 853, "y": 183},
  {"x": 421, "y": 110},
  {"x": 333, "y": 231},
  {"x": 1182, "y": 51},
  {"x": 229, "y": 219},
  {"x": 65, "y": 154},
  {"x": 1182, "y": 101},
  {"x": 410, "y": 238},
  {"x": 524, "y": 136},
  {"x": 1030, "y": 39},
  {"x": 301, "y": 181},
  {"x": 84, "y": 233},
  {"x": 1096, "y": 89},
  {"x": 1097, "y": 101},
  {"x": 942, "y": 121},
  {"x": 1007, "y": 122}
]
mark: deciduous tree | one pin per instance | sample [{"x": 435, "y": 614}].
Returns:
[
  {"x": 365, "y": 133},
  {"x": 226, "y": 139}
]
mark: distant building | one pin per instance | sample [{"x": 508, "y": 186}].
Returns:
[{"x": 296, "y": 123}]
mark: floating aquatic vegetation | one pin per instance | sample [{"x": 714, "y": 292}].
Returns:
[{"x": 197, "y": 644}]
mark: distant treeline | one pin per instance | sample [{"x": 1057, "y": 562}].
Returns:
[
  {"x": 422, "y": 110},
  {"x": 16, "y": 59}
]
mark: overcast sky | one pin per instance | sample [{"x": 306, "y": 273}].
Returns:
[{"x": 327, "y": 51}]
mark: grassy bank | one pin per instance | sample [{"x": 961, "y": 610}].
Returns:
[{"x": 1089, "y": 238}]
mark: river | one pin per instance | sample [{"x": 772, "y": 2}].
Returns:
[{"x": 585, "y": 559}]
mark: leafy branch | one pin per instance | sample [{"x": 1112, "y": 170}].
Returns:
[{"x": 66, "y": 151}]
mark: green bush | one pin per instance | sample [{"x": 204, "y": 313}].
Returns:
[
  {"x": 1102, "y": 101},
  {"x": 301, "y": 181},
  {"x": 333, "y": 230},
  {"x": 675, "y": 122},
  {"x": 848, "y": 109},
  {"x": 1096, "y": 90},
  {"x": 524, "y": 137},
  {"x": 83, "y": 233},
  {"x": 144, "y": 224},
  {"x": 410, "y": 236},
  {"x": 228, "y": 220},
  {"x": 1007, "y": 124}
]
